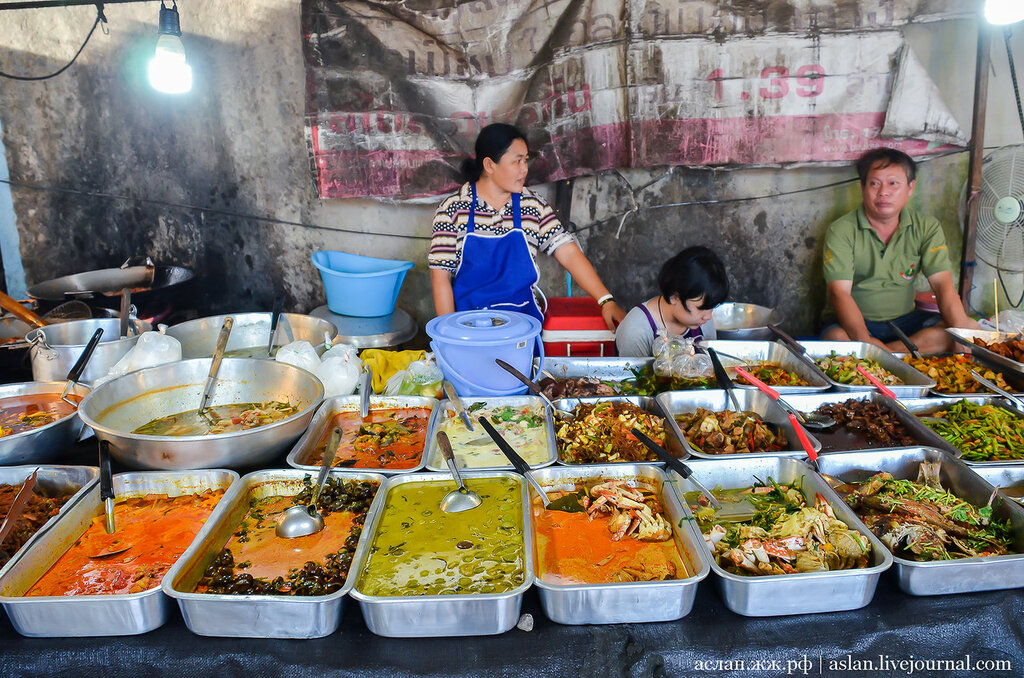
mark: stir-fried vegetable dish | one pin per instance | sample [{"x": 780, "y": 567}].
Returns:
[
  {"x": 784, "y": 535},
  {"x": 647, "y": 383},
  {"x": 152, "y": 532},
  {"x": 773, "y": 374},
  {"x": 981, "y": 432},
  {"x": 843, "y": 369},
  {"x": 600, "y": 432},
  {"x": 418, "y": 549},
  {"x": 952, "y": 373},
  {"x": 39, "y": 509},
  {"x": 620, "y": 534},
  {"x": 920, "y": 520},
  {"x": 219, "y": 419},
  {"x": 871, "y": 423},
  {"x": 730, "y": 432},
  {"x": 255, "y": 561}
]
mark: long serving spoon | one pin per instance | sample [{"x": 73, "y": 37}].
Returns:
[
  {"x": 811, "y": 420},
  {"x": 365, "y": 388},
  {"x": 301, "y": 521},
  {"x": 902, "y": 336},
  {"x": 1003, "y": 392},
  {"x": 534, "y": 387},
  {"x": 76, "y": 372},
  {"x": 107, "y": 486},
  {"x": 18, "y": 506},
  {"x": 461, "y": 498},
  {"x": 275, "y": 316},
  {"x": 518, "y": 463},
  {"x": 684, "y": 471},
  {"x": 218, "y": 356}
]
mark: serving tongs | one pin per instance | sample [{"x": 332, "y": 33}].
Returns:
[
  {"x": 811, "y": 420},
  {"x": 722, "y": 377},
  {"x": 1017, "y": 402},
  {"x": 570, "y": 505},
  {"x": 365, "y": 390},
  {"x": 793, "y": 345},
  {"x": 684, "y": 471},
  {"x": 902, "y": 336},
  {"x": 18, "y": 506},
  {"x": 107, "y": 486},
  {"x": 76, "y": 372},
  {"x": 534, "y": 387},
  {"x": 275, "y": 317},
  {"x": 453, "y": 397},
  {"x": 211, "y": 379}
]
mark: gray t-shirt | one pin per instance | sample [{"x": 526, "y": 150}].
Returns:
[{"x": 634, "y": 337}]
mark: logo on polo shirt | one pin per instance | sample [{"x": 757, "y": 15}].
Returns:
[{"x": 910, "y": 272}]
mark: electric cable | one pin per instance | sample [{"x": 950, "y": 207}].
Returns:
[
  {"x": 35, "y": 78},
  {"x": 1007, "y": 33}
]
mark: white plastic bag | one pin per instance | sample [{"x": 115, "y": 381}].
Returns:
[
  {"x": 339, "y": 376},
  {"x": 300, "y": 354},
  {"x": 152, "y": 349}
]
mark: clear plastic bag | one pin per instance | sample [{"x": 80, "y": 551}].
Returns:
[
  {"x": 675, "y": 356},
  {"x": 300, "y": 354},
  {"x": 152, "y": 349},
  {"x": 1009, "y": 321},
  {"x": 421, "y": 378},
  {"x": 339, "y": 376}
]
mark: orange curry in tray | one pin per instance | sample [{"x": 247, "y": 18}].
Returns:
[
  {"x": 391, "y": 438},
  {"x": 620, "y": 535},
  {"x": 152, "y": 532}
]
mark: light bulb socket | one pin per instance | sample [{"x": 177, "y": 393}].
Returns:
[{"x": 169, "y": 23}]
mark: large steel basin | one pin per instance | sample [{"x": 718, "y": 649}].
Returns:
[
  {"x": 118, "y": 407},
  {"x": 199, "y": 337}
]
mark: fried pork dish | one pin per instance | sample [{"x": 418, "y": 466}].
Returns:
[
  {"x": 920, "y": 520},
  {"x": 600, "y": 432},
  {"x": 1012, "y": 349},
  {"x": 730, "y": 432},
  {"x": 870, "y": 420},
  {"x": 952, "y": 373},
  {"x": 576, "y": 387},
  {"x": 784, "y": 536}
]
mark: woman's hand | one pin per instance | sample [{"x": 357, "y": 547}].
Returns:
[{"x": 612, "y": 314}]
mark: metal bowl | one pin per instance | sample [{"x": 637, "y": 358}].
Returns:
[
  {"x": 64, "y": 343},
  {"x": 251, "y": 330},
  {"x": 745, "y": 322},
  {"x": 45, "y": 442},
  {"x": 118, "y": 407}
]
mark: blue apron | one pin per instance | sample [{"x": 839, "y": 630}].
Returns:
[{"x": 496, "y": 272}]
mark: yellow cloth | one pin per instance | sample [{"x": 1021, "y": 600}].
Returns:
[{"x": 383, "y": 364}]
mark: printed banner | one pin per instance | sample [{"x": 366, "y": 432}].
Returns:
[{"x": 397, "y": 91}]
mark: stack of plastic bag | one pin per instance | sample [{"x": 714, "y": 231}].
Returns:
[
  {"x": 152, "y": 349},
  {"x": 675, "y": 356},
  {"x": 338, "y": 368}
]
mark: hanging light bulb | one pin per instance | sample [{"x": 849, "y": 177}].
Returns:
[
  {"x": 1002, "y": 12},
  {"x": 168, "y": 70}
]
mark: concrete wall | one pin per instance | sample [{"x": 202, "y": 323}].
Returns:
[{"x": 236, "y": 144}]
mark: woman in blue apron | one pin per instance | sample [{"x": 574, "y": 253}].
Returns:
[{"x": 486, "y": 236}]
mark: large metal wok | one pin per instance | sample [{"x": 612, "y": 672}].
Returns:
[
  {"x": 44, "y": 442},
  {"x": 56, "y": 348},
  {"x": 150, "y": 285},
  {"x": 118, "y": 407},
  {"x": 251, "y": 330}
]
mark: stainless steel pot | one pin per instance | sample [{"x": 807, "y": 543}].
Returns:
[
  {"x": 56, "y": 348},
  {"x": 744, "y": 322},
  {"x": 118, "y": 407},
  {"x": 251, "y": 330},
  {"x": 45, "y": 442}
]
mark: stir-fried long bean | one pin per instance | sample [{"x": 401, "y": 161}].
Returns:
[{"x": 982, "y": 432}]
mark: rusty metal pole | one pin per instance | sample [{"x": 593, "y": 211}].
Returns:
[{"x": 977, "y": 154}]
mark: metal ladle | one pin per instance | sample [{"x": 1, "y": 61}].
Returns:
[
  {"x": 218, "y": 356},
  {"x": 302, "y": 521},
  {"x": 459, "y": 499},
  {"x": 534, "y": 387}
]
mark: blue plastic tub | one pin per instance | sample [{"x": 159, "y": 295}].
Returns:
[
  {"x": 360, "y": 286},
  {"x": 466, "y": 343}
]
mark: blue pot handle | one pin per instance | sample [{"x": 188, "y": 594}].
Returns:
[{"x": 540, "y": 363}]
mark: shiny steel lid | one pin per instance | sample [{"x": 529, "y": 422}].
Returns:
[{"x": 378, "y": 332}]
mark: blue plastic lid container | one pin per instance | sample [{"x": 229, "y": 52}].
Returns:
[
  {"x": 466, "y": 343},
  {"x": 360, "y": 286}
]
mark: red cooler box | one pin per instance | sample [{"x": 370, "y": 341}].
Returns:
[{"x": 573, "y": 327}]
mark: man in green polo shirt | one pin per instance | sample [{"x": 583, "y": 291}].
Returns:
[{"x": 874, "y": 254}]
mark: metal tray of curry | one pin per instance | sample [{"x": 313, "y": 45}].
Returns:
[
  {"x": 390, "y": 441},
  {"x": 524, "y": 421},
  {"x": 259, "y": 554},
  {"x": 427, "y": 573},
  {"x": 913, "y": 383},
  {"x": 939, "y": 577},
  {"x": 108, "y": 614},
  {"x": 601, "y": 435},
  {"x": 647, "y": 570},
  {"x": 754, "y": 402},
  {"x": 802, "y": 592},
  {"x": 57, "y": 489}
]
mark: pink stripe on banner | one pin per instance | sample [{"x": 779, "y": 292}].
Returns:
[{"x": 693, "y": 142}]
